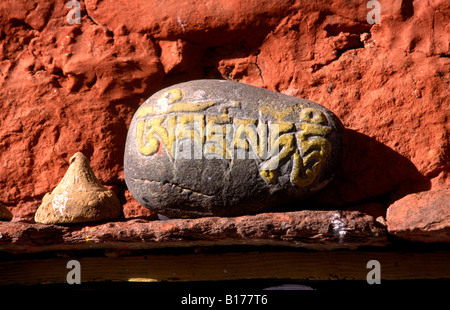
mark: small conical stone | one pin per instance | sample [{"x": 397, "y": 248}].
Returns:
[{"x": 78, "y": 198}]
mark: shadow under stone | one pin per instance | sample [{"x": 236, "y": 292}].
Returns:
[{"x": 371, "y": 175}]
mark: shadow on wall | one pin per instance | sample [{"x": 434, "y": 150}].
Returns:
[{"x": 371, "y": 177}]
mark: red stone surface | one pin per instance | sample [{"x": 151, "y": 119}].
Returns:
[
  {"x": 68, "y": 88},
  {"x": 421, "y": 216}
]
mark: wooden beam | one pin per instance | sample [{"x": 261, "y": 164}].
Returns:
[{"x": 299, "y": 265}]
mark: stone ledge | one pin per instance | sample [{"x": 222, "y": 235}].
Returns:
[{"x": 316, "y": 230}]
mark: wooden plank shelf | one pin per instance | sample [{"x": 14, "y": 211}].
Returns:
[{"x": 224, "y": 266}]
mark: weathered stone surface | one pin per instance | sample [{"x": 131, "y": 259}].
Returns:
[
  {"x": 5, "y": 214},
  {"x": 222, "y": 148},
  {"x": 78, "y": 198},
  {"x": 423, "y": 216},
  {"x": 317, "y": 230}
]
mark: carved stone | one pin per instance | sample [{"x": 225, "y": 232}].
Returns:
[
  {"x": 78, "y": 198},
  {"x": 221, "y": 148}
]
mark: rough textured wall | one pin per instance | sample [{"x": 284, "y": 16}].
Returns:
[{"x": 74, "y": 87}]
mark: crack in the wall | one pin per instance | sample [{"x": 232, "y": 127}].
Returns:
[
  {"x": 339, "y": 53},
  {"x": 87, "y": 14},
  {"x": 259, "y": 70}
]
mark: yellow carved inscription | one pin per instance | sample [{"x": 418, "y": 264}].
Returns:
[
  {"x": 216, "y": 145},
  {"x": 245, "y": 134},
  {"x": 270, "y": 143}
]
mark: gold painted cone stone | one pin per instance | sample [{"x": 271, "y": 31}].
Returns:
[
  {"x": 78, "y": 198},
  {"x": 5, "y": 214}
]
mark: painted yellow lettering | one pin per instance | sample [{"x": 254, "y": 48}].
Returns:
[
  {"x": 151, "y": 133},
  {"x": 279, "y": 115},
  {"x": 314, "y": 116},
  {"x": 245, "y": 131},
  {"x": 216, "y": 144},
  {"x": 170, "y": 96},
  {"x": 311, "y": 130},
  {"x": 318, "y": 158},
  {"x": 315, "y": 149},
  {"x": 191, "y": 127},
  {"x": 281, "y": 147},
  {"x": 145, "y": 148}
]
